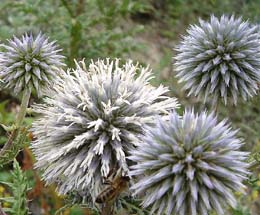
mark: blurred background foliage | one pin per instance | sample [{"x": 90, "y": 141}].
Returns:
[{"x": 144, "y": 30}]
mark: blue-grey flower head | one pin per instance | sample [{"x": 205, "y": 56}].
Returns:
[
  {"x": 189, "y": 165},
  {"x": 30, "y": 63},
  {"x": 220, "y": 59},
  {"x": 92, "y": 122}
]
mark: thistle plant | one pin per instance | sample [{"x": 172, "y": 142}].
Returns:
[
  {"x": 220, "y": 59},
  {"x": 26, "y": 64},
  {"x": 19, "y": 187},
  {"x": 189, "y": 165},
  {"x": 92, "y": 121},
  {"x": 30, "y": 63}
]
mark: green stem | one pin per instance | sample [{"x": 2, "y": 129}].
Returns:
[
  {"x": 19, "y": 121},
  {"x": 66, "y": 5},
  {"x": 76, "y": 28},
  {"x": 23, "y": 107}
]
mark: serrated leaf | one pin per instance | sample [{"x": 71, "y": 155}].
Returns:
[
  {"x": 19, "y": 186},
  {"x": 6, "y": 183},
  {"x": 8, "y": 199}
]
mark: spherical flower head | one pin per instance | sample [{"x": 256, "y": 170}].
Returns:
[
  {"x": 220, "y": 59},
  {"x": 188, "y": 165},
  {"x": 93, "y": 120},
  {"x": 31, "y": 63}
]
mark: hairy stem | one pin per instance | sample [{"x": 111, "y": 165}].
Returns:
[
  {"x": 23, "y": 107},
  {"x": 19, "y": 121}
]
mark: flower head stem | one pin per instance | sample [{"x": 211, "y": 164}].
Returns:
[
  {"x": 19, "y": 121},
  {"x": 23, "y": 107}
]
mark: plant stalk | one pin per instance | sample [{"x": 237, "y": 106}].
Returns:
[
  {"x": 23, "y": 107},
  {"x": 19, "y": 121},
  {"x": 76, "y": 28}
]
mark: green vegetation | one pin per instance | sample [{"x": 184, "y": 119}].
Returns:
[
  {"x": 144, "y": 30},
  {"x": 19, "y": 186}
]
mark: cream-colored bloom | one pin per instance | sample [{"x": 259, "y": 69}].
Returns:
[{"x": 95, "y": 117}]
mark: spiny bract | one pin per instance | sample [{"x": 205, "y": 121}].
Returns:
[
  {"x": 30, "y": 63},
  {"x": 92, "y": 122},
  {"x": 189, "y": 165},
  {"x": 220, "y": 58}
]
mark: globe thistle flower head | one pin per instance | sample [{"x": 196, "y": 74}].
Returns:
[
  {"x": 189, "y": 165},
  {"x": 92, "y": 122},
  {"x": 220, "y": 59},
  {"x": 30, "y": 63}
]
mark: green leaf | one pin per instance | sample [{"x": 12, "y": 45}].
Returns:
[{"x": 19, "y": 186}]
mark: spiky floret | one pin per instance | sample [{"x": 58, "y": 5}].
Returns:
[
  {"x": 92, "y": 122},
  {"x": 220, "y": 59},
  {"x": 189, "y": 165},
  {"x": 30, "y": 63}
]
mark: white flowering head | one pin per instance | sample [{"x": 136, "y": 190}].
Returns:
[
  {"x": 31, "y": 63},
  {"x": 189, "y": 165},
  {"x": 220, "y": 59},
  {"x": 94, "y": 119}
]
